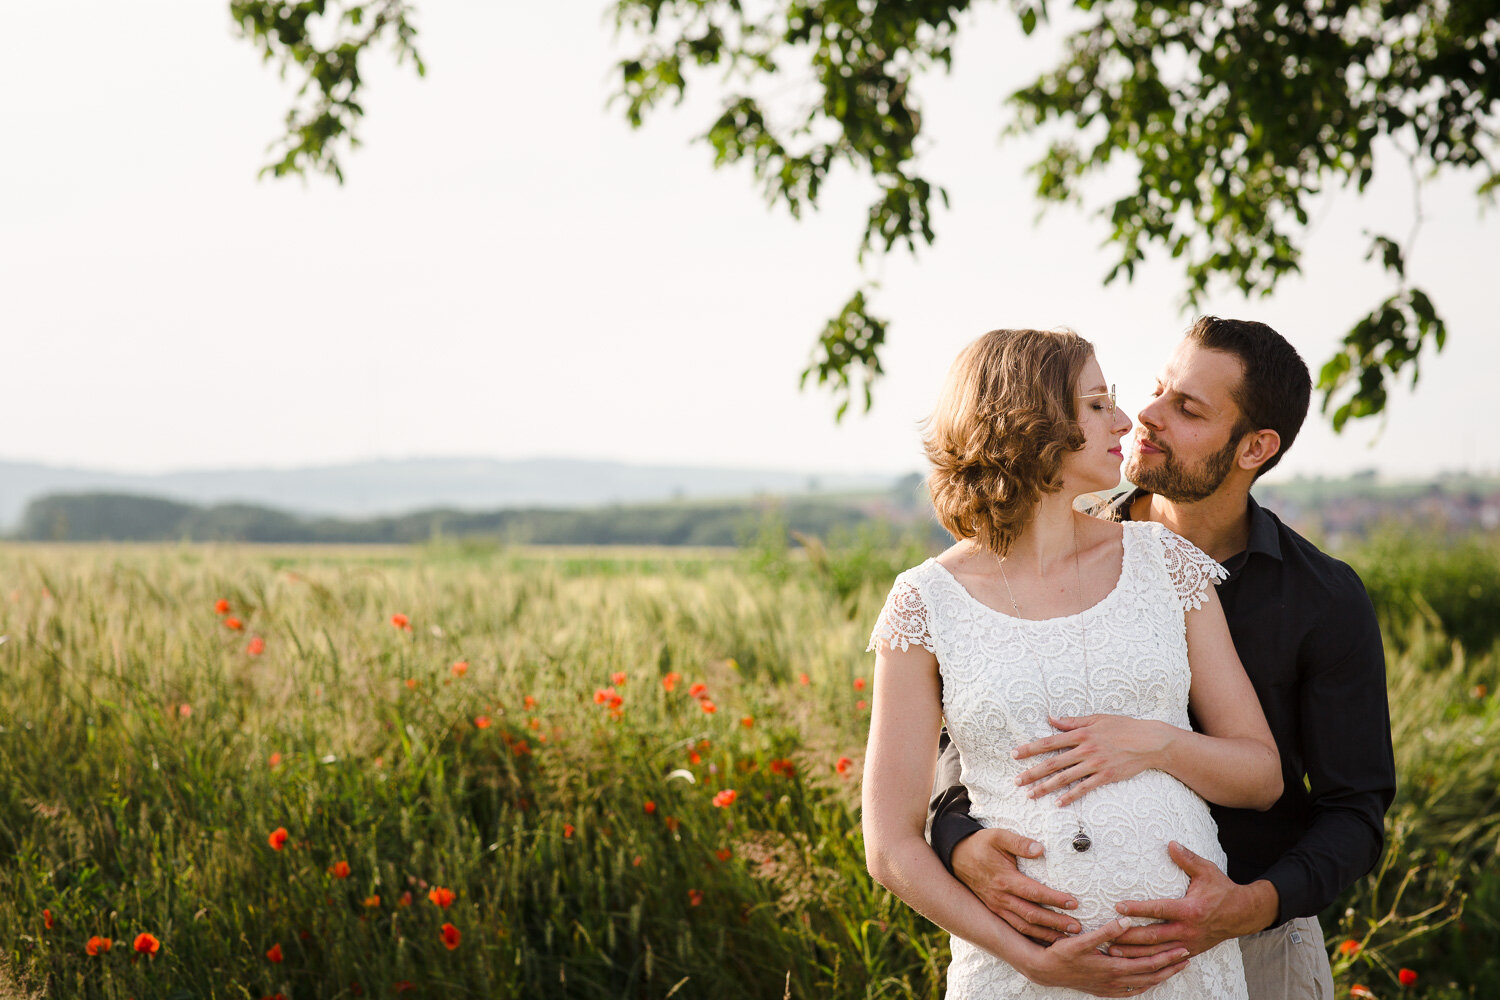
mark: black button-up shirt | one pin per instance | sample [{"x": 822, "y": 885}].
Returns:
[{"x": 1307, "y": 636}]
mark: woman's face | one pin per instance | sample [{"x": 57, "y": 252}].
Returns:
[{"x": 1097, "y": 465}]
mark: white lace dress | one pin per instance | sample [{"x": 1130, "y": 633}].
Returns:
[{"x": 1003, "y": 676}]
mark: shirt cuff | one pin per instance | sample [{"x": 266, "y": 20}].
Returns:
[{"x": 947, "y": 831}]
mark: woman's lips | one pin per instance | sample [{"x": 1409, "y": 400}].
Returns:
[{"x": 1117, "y": 451}]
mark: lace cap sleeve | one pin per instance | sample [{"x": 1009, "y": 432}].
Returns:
[
  {"x": 903, "y": 620},
  {"x": 1190, "y": 569}
]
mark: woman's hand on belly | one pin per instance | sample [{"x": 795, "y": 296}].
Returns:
[
  {"x": 1078, "y": 963},
  {"x": 1090, "y": 751}
]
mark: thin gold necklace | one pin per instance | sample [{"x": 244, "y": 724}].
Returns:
[{"x": 1081, "y": 841}]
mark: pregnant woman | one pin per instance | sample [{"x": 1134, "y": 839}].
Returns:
[{"x": 1064, "y": 654}]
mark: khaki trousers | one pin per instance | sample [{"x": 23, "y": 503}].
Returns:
[{"x": 1288, "y": 962}]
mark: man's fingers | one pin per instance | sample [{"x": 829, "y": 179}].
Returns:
[
  {"x": 1139, "y": 983},
  {"x": 1155, "y": 935},
  {"x": 1188, "y": 861},
  {"x": 1033, "y": 891},
  {"x": 1156, "y": 909},
  {"x": 1039, "y": 916},
  {"x": 1098, "y": 938},
  {"x": 1118, "y": 950},
  {"x": 1013, "y": 843}
]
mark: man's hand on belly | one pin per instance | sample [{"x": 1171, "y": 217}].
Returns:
[
  {"x": 1214, "y": 909},
  {"x": 985, "y": 861}
]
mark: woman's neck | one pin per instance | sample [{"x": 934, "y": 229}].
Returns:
[{"x": 1050, "y": 539}]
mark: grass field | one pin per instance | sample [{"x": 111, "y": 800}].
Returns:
[{"x": 468, "y": 771}]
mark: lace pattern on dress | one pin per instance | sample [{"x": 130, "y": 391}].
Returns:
[
  {"x": 1190, "y": 569},
  {"x": 903, "y": 620}
]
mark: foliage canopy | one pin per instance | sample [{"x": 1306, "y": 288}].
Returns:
[{"x": 1233, "y": 116}]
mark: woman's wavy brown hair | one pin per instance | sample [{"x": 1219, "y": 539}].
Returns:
[{"x": 1004, "y": 422}]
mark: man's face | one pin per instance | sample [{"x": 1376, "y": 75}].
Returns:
[{"x": 1186, "y": 443}]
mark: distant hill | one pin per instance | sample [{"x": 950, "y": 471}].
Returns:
[
  {"x": 363, "y": 489},
  {"x": 94, "y": 517}
]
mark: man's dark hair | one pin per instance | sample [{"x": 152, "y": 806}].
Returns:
[{"x": 1276, "y": 387}]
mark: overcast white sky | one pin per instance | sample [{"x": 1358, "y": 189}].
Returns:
[{"x": 510, "y": 271}]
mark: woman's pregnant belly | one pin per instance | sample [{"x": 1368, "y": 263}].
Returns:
[{"x": 1128, "y": 824}]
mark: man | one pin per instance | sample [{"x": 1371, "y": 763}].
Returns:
[{"x": 1227, "y": 406}]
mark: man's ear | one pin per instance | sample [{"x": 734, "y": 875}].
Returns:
[{"x": 1257, "y": 448}]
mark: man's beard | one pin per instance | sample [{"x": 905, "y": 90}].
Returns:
[{"x": 1183, "y": 485}]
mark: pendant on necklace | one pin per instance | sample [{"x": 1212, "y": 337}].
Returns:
[{"x": 1081, "y": 841}]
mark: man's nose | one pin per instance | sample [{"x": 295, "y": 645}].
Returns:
[{"x": 1149, "y": 414}]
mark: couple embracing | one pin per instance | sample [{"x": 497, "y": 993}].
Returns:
[{"x": 1165, "y": 739}]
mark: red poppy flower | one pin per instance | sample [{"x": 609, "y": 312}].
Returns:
[
  {"x": 533, "y": 723},
  {"x": 47, "y": 919},
  {"x": 460, "y": 668},
  {"x": 275, "y": 996},
  {"x": 147, "y": 944},
  {"x": 401, "y": 621},
  {"x": 725, "y": 798},
  {"x": 567, "y": 830},
  {"x": 340, "y": 869},
  {"x": 693, "y": 757},
  {"x": 274, "y": 760},
  {"x": 859, "y": 683},
  {"x": 482, "y": 722},
  {"x": 672, "y": 823},
  {"x": 529, "y": 702},
  {"x": 650, "y": 806},
  {"x": 97, "y": 945},
  {"x": 1407, "y": 977},
  {"x": 698, "y": 690},
  {"x": 707, "y": 706},
  {"x": 256, "y": 647},
  {"x": 372, "y": 901},
  {"x": 442, "y": 897},
  {"x": 804, "y": 680},
  {"x": 1361, "y": 990},
  {"x": 233, "y": 624},
  {"x": 618, "y": 677},
  {"x": 1349, "y": 947},
  {"x": 278, "y": 838},
  {"x": 273, "y": 954},
  {"x": 403, "y": 986},
  {"x": 861, "y": 704},
  {"x": 405, "y": 899},
  {"x": 748, "y": 721},
  {"x": 669, "y": 682},
  {"x": 723, "y": 854},
  {"x": 520, "y": 748},
  {"x": 695, "y": 897},
  {"x": 451, "y": 936},
  {"x": 221, "y": 607},
  {"x": 842, "y": 767}
]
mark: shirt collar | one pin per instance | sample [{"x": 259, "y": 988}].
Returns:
[{"x": 1264, "y": 536}]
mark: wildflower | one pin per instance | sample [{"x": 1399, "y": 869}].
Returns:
[
  {"x": 1481, "y": 690},
  {"x": 403, "y": 986},
  {"x": 340, "y": 869},
  {"x": 97, "y": 945},
  {"x": 274, "y": 760},
  {"x": 278, "y": 838},
  {"x": 275, "y": 996},
  {"x": 534, "y": 723},
  {"x": 803, "y": 679},
  {"x": 843, "y": 765},
  {"x": 636, "y": 861},
  {"x": 617, "y": 678},
  {"x": 411, "y": 684},
  {"x": 439, "y": 895},
  {"x": 460, "y": 668},
  {"x": 698, "y": 690},
  {"x": 221, "y": 606},
  {"x": 1349, "y": 947},
  {"x": 567, "y": 831},
  {"x": 451, "y": 936},
  {"x": 405, "y": 899},
  {"x": 482, "y": 722},
  {"x": 1407, "y": 977},
  {"x": 723, "y": 854},
  {"x": 147, "y": 944},
  {"x": 273, "y": 954},
  {"x": 520, "y": 748},
  {"x": 303, "y": 934},
  {"x": 372, "y": 902},
  {"x": 529, "y": 702},
  {"x": 356, "y": 989},
  {"x": 185, "y": 710},
  {"x": 1361, "y": 990},
  {"x": 725, "y": 798},
  {"x": 650, "y": 807},
  {"x": 748, "y": 721},
  {"x": 256, "y": 647},
  {"x": 47, "y": 919},
  {"x": 695, "y": 897},
  {"x": 861, "y": 705},
  {"x": 693, "y": 757},
  {"x": 233, "y": 624},
  {"x": 708, "y": 706},
  {"x": 669, "y": 682},
  {"x": 859, "y": 683},
  {"x": 672, "y": 823},
  {"x": 401, "y": 621}
]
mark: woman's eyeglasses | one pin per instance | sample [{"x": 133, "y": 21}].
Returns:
[{"x": 1110, "y": 394}]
